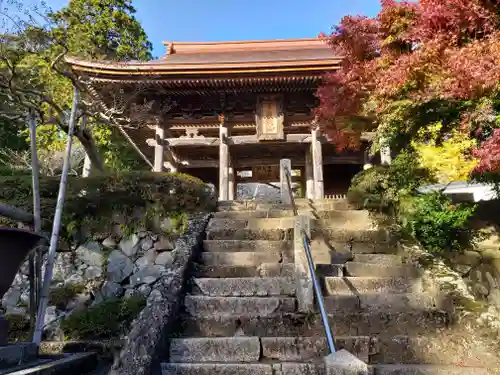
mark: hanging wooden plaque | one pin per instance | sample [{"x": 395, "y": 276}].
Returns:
[
  {"x": 266, "y": 173},
  {"x": 269, "y": 118}
]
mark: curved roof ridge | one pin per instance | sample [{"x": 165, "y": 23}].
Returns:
[{"x": 174, "y": 47}]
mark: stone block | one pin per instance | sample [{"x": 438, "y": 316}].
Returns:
[
  {"x": 344, "y": 363},
  {"x": 220, "y": 349}
]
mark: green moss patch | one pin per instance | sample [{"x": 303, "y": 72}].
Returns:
[{"x": 107, "y": 320}]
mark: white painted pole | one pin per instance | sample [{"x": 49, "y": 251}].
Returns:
[
  {"x": 40, "y": 320},
  {"x": 35, "y": 261}
]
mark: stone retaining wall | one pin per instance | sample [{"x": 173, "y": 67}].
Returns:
[
  {"x": 112, "y": 265},
  {"x": 147, "y": 340}
]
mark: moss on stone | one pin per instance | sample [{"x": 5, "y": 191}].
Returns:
[
  {"x": 106, "y": 320},
  {"x": 61, "y": 296},
  {"x": 19, "y": 327},
  {"x": 91, "y": 202}
]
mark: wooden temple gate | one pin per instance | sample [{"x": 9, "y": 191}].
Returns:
[{"x": 232, "y": 106}]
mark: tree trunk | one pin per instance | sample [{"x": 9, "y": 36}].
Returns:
[{"x": 88, "y": 143}]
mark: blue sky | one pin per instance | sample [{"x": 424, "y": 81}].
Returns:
[{"x": 218, "y": 20}]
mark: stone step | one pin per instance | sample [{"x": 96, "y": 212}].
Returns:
[
  {"x": 355, "y": 247},
  {"x": 433, "y": 349},
  {"x": 17, "y": 354},
  {"x": 299, "y": 349},
  {"x": 250, "y": 234},
  {"x": 439, "y": 350},
  {"x": 318, "y": 205},
  {"x": 252, "y": 349},
  {"x": 252, "y": 214},
  {"x": 427, "y": 370},
  {"x": 375, "y": 236},
  {"x": 243, "y": 368},
  {"x": 374, "y": 323},
  {"x": 263, "y": 270},
  {"x": 329, "y": 270},
  {"x": 203, "y": 306},
  {"x": 384, "y": 259},
  {"x": 244, "y": 258},
  {"x": 394, "y": 302},
  {"x": 251, "y": 224},
  {"x": 247, "y": 286},
  {"x": 245, "y": 245},
  {"x": 215, "y": 349},
  {"x": 357, "y": 285},
  {"x": 380, "y": 270}
]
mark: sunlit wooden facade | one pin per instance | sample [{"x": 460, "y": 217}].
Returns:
[{"x": 214, "y": 109}]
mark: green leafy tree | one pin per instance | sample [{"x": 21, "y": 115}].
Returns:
[{"x": 34, "y": 75}]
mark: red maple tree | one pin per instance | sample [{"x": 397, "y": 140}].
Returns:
[{"x": 408, "y": 57}]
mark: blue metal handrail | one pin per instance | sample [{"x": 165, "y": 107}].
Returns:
[{"x": 310, "y": 263}]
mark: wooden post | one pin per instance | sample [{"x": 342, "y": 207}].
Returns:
[
  {"x": 223, "y": 161},
  {"x": 47, "y": 280},
  {"x": 317, "y": 156},
  {"x": 309, "y": 193},
  {"x": 231, "y": 181},
  {"x": 159, "y": 148}
]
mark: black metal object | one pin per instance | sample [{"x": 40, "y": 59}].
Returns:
[{"x": 15, "y": 245}]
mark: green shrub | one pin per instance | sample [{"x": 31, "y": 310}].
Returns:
[
  {"x": 438, "y": 224},
  {"x": 106, "y": 320},
  {"x": 61, "y": 296},
  {"x": 91, "y": 201},
  {"x": 382, "y": 187},
  {"x": 19, "y": 327}
]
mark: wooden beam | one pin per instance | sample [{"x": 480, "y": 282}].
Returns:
[
  {"x": 239, "y": 140},
  {"x": 249, "y": 163}
]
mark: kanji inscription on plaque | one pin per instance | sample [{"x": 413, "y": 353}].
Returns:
[{"x": 269, "y": 118}]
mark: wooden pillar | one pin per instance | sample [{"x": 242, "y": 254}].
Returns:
[
  {"x": 159, "y": 149},
  {"x": 231, "y": 181},
  {"x": 309, "y": 178},
  {"x": 223, "y": 161},
  {"x": 317, "y": 156}
]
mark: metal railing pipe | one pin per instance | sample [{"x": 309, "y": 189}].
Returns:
[{"x": 310, "y": 262}]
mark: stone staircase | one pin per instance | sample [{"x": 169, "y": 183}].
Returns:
[{"x": 241, "y": 315}]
